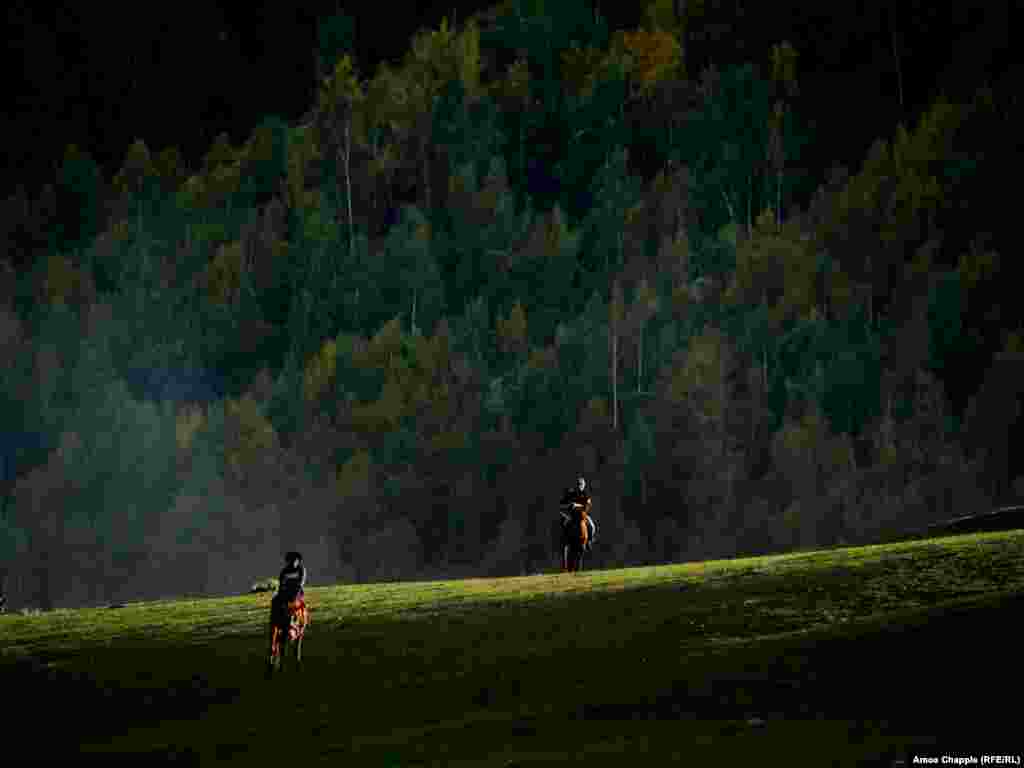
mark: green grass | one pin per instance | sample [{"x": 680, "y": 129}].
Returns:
[{"x": 840, "y": 657}]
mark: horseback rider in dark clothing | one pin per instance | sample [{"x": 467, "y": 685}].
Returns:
[
  {"x": 577, "y": 503},
  {"x": 291, "y": 583}
]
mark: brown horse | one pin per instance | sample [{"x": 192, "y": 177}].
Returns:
[
  {"x": 576, "y": 538},
  {"x": 288, "y": 623}
]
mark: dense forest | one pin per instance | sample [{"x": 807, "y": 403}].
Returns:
[{"x": 391, "y": 333}]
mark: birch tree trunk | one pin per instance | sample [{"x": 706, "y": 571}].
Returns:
[
  {"x": 750, "y": 196},
  {"x": 615, "y": 388},
  {"x": 348, "y": 185},
  {"x": 639, "y": 360},
  {"x": 778, "y": 201},
  {"x": 616, "y": 312},
  {"x": 728, "y": 205},
  {"x": 425, "y": 155}
]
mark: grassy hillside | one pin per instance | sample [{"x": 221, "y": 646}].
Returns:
[{"x": 837, "y": 657}]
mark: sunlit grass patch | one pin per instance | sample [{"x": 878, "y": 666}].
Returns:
[{"x": 477, "y": 671}]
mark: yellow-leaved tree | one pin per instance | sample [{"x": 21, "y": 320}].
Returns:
[
  {"x": 468, "y": 58},
  {"x": 702, "y": 378},
  {"x": 188, "y": 422},
  {"x": 169, "y": 166},
  {"x": 512, "y": 331},
  {"x": 978, "y": 265},
  {"x": 384, "y": 353},
  {"x": 775, "y": 267},
  {"x": 384, "y": 414},
  {"x": 248, "y": 433},
  {"x": 224, "y": 273},
  {"x": 675, "y": 16},
  {"x": 320, "y": 370},
  {"x": 435, "y": 56},
  {"x": 135, "y": 171},
  {"x": 514, "y": 88},
  {"x": 63, "y": 280},
  {"x": 890, "y": 203},
  {"x": 580, "y": 68},
  {"x": 220, "y": 153},
  {"x": 802, "y": 449},
  {"x": 354, "y": 479},
  {"x": 655, "y": 56},
  {"x": 386, "y": 344},
  {"x": 415, "y": 372}
]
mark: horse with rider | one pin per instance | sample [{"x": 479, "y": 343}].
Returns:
[
  {"x": 577, "y": 526},
  {"x": 289, "y": 615}
]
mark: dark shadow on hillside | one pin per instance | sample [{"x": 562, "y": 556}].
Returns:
[
  {"x": 84, "y": 708},
  {"x": 933, "y": 674}
]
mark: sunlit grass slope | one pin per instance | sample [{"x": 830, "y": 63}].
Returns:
[{"x": 838, "y": 657}]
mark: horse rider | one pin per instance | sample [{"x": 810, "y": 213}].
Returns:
[
  {"x": 578, "y": 503},
  {"x": 292, "y": 582}
]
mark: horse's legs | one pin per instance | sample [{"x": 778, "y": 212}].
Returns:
[
  {"x": 298, "y": 652},
  {"x": 274, "y": 657},
  {"x": 274, "y": 650}
]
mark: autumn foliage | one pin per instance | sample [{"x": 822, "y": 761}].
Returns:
[{"x": 464, "y": 278}]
